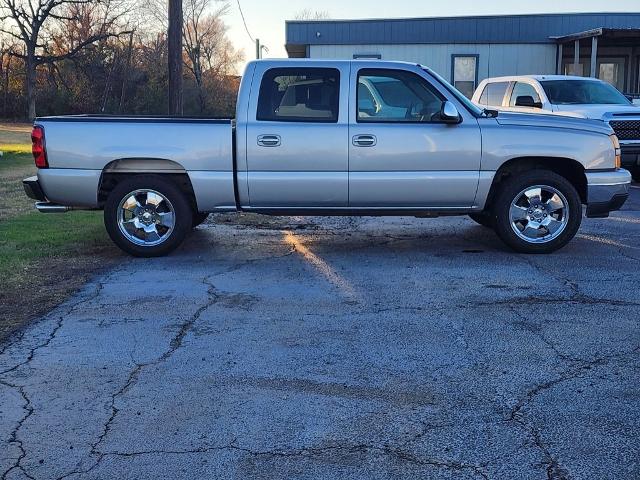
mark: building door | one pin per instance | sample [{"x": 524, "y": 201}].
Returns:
[{"x": 401, "y": 153}]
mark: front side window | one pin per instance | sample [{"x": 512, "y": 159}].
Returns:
[
  {"x": 582, "y": 92},
  {"x": 299, "y": 95},
  {"x": 521, "y": 89},
  {"x": 465, "y": 73},
  {"x": 396, "y": 96},
  {"x": 493, "y": 94}
]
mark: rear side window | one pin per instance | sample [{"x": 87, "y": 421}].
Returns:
[
  {"x": 493, "y": 94},
  {"x": 299, "y": 95}
]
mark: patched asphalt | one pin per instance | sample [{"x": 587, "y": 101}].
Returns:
[{"x": 330, "y": 348}]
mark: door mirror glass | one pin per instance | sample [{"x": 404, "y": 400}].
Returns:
[
  {"x": 527, "y": 101},
  {"x": 449, "y": 113}
]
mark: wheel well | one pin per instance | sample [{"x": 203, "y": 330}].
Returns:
[
  {"x": 570, "y": 169},
  {"x": 109, "y": 180}
]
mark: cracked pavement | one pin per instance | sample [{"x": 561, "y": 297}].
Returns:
[{"x": 360, "y": 348}]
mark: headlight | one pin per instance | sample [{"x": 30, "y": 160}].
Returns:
[{"x": 618, "y": 150}]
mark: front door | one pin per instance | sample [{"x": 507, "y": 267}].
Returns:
[
  {"x": 402, "y": 155},
  {"x": 297, "y": 154}
]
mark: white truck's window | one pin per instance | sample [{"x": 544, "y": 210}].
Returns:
[
  {"x": 521, "y": 89},
  {"x": 396, "y": 96},
  {"x": 582, "y": 92},
  {"x": 493, "y": 94},
  {"x": 299, "y": 95}
]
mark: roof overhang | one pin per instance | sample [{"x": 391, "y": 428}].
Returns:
[{"x": 611, "y": 33}]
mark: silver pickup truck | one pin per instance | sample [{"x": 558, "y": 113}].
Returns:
[{"x": 332, "y": 138}]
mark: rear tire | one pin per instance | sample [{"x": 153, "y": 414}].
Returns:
[
  {"x": 537, "y": 212},
  {"x": 147, "y": 216},
  {"x": 484, "y": 219},
  {"x": 635, "y": 173}
]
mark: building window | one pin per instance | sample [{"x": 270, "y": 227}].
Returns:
[
  {"x": 299, "y": 95},
  {"x": 464, "y": 73},
  {"x": 609, "y": 69}
]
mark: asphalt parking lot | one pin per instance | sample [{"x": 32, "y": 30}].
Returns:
[{"x": 338, "y": 348}]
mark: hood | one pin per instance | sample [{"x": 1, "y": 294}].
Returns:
[
  {"x": 553, "y": 121},
  {"x": 599, "y": 112}
]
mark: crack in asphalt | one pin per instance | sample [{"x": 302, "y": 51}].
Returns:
[
  {"x": 54, "y": 331},
  {"x": 554, "y": 470},
  {"x": 175, "y": 343},
  {"x": 13, "y": 438},
  {"x": 579, "y": 366},
  {"x": 28, "y": 406},
  {"x": 313, "y": 452}
]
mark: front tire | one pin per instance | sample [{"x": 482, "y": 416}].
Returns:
[
  {"x": 147, "y": 216},
  {"x": 537, "y": 212}
]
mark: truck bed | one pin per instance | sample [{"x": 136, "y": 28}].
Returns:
[{"x": 92, "y": 145}]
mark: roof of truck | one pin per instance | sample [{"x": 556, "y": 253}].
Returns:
[{"x": 513, "y": 78}]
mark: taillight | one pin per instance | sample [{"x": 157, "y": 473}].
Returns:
[{"x": 38, "y": 148}]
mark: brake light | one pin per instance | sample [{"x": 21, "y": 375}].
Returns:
[{"x": 37, "y": 147}]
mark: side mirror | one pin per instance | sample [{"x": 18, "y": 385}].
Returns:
[
  {"x": 527, "y": 101},
  {"x": 449, "y": 113}
]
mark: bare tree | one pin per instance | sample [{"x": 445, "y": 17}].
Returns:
[
  {"x": 207, "y": 48},
  {"x": 308, "y": 14},
  {"x": 208, "y": 53},
  {"x": 35, "y": 23}
]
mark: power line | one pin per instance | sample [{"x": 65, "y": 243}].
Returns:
[{"x": 245, "y": 22}]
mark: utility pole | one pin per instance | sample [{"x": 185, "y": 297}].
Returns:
[
  {"x": 174, "y": 38},
  {"x": 260, "y": 48}
]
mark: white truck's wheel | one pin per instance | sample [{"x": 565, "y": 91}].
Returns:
[
  {"x": 147, "y": 216},
  {"x": 537, "y": 212}
]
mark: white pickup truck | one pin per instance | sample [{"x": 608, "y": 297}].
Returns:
[
  {"x": 332, "y": 138},
  {"x": 566, "y": 95}
]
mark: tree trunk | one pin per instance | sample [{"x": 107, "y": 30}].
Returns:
[
  {"x": 7, "y": 70},
  {"x": 30, "y": 84}
]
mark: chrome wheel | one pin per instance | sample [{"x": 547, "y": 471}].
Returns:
[
  {"x": 539, "y": 214},
  {"x": 146, "y": 217}
]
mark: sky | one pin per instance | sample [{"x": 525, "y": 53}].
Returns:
[{"x": 266, "y": 18}]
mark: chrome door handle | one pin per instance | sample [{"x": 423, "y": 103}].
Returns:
[
  {"x": 269, "y": 140},
  {"x": 364, "y": 141}
]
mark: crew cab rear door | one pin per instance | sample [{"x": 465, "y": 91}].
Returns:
[
  {"x": 401, "y": 154},
  {"x": 297, "y": 136}
]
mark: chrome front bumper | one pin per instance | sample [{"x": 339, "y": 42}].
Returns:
[{"x": 607, "y": 192}]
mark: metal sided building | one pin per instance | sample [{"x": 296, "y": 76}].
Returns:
[{"x": 466, "y": 50}]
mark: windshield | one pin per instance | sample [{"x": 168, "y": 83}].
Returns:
[
  {"x": 582, "y": 92},
  {"x": 456, "y": 93}
]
